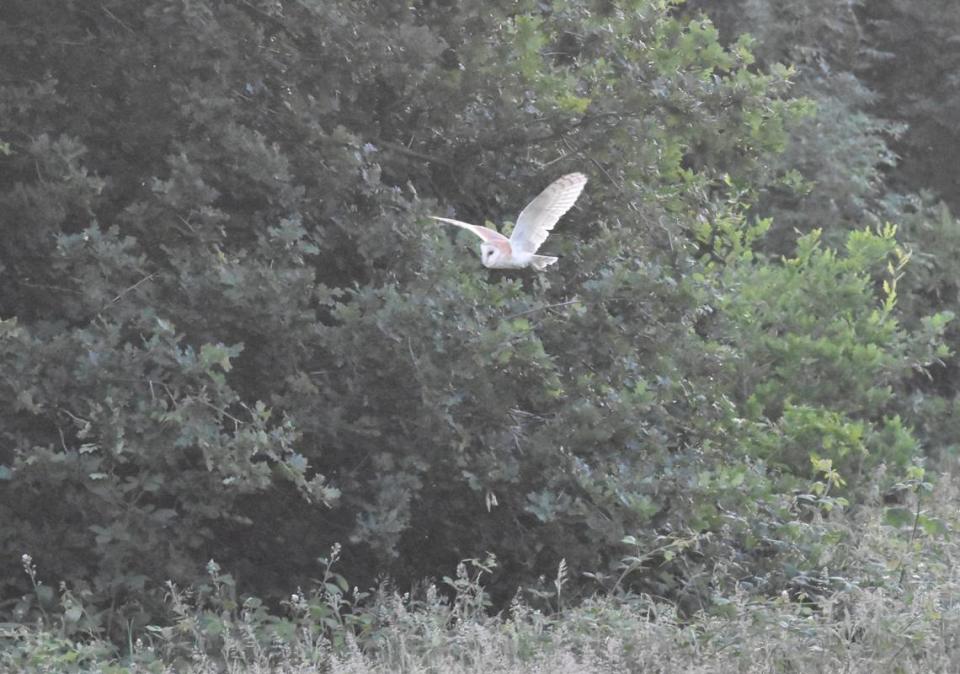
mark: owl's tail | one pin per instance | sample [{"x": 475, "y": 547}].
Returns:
[{"x": 541, "y": 262}]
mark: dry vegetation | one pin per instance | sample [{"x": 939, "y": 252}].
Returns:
[{"x": 908, "y": 620}]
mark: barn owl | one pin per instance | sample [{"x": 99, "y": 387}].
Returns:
[{"x": 532, "y": 229}]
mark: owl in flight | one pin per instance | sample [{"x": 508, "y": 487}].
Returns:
[{"x": 532, "y": 229}]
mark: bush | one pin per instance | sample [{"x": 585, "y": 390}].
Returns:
[{"x": 231, "y": 332}]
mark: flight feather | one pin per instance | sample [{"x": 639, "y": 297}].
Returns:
[{"x": 540, "y": 216}]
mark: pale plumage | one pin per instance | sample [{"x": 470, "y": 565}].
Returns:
[{"x": 534, "y": 225}]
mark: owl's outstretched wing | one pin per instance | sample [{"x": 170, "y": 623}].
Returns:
[
  {"x": 485, "y": 233},
  {"x": 541, "y": 215}
]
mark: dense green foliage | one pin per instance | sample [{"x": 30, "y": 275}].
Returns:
[
  {"x": 228, "y": 330},
  {"x": 871, "y": 69}
]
